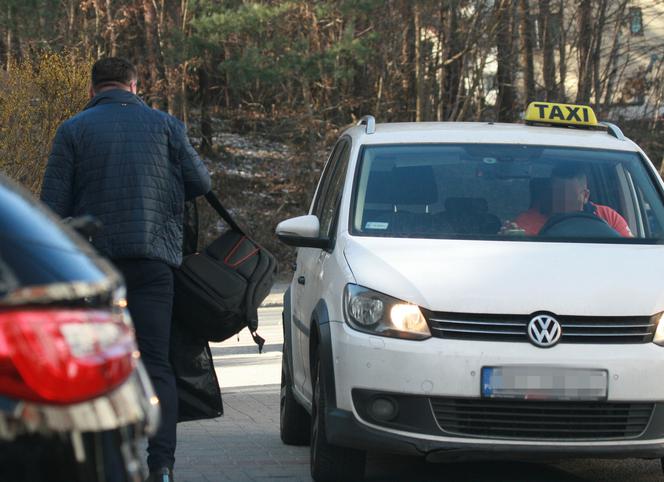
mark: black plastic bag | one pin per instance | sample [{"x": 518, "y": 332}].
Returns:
[{"x": 199, "y": 396}]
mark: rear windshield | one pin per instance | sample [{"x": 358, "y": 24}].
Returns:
[{"x": 505, "y": 191}]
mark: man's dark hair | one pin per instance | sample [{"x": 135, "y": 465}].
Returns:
[{"x": 112, "y": 70}]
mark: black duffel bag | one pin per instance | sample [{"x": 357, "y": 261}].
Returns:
[{"x": 218, "y": 291}]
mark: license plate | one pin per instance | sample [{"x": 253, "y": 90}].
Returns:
[{"x": 544, "y": 383}]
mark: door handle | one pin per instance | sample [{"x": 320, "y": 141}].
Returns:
[{"x": 301, "y": 280}]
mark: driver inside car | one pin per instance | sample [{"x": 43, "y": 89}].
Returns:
[{"x": 569, "y": 193}]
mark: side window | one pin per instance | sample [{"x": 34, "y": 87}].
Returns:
[
  {"x": 653, "y": 227},
  {"x": 330, "y": 202},
  {"x": 325, "y": 177}
]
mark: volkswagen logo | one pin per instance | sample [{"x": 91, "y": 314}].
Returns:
[{"x": 544, "y": 331}]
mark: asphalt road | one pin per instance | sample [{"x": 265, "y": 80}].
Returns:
[{"x": 244, "y": 444}]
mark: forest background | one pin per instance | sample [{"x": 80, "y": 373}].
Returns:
[{"x": 266, "y": 86}]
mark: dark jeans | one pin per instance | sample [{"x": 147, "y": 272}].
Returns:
[{"x": 150, "y": 302}]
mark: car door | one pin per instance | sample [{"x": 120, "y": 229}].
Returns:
[
  {"x": 326, "y": 211},
  {"x": 307, "y": 259}
]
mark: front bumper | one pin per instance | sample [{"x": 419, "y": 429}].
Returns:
[
  {"x": 452, "y": 368},
  {"x": 344, "y": 429},
  {"x": 438, "y": 369}
]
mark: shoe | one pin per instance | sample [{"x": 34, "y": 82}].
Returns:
[{"x": 163, "y": 474}]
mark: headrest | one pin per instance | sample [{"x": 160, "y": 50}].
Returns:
[
  {"x": 540, "y": 194},
  {"x": 466, "y": 205},
  {"x": 538, "y": 184},
  {"x": 414, "y": 185},
  {"x": 379, "y": 188}
]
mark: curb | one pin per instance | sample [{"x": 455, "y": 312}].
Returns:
[{"x": 276, "y": 296}]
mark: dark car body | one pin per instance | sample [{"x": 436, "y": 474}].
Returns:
[{"x": 75, "y": 401}]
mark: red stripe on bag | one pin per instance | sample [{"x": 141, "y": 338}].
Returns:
[{"x": 235, "y": 248}]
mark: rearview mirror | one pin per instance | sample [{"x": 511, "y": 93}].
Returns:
[{"x": 302, "y": 232}]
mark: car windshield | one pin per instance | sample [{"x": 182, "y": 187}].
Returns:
[{"x": 506, "y": 192}]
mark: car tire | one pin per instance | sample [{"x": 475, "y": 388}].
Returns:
[
  {"x": 294, "y": 421},
  {"x": 330, "y": 463}
]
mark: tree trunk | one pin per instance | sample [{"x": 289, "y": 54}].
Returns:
[
  {"x": 407, "y": 54},
  {"x": 548, "y": 60},
  {"x": 3, "y": 51},
  {"x": 597, "y": 53},
  {"x": 505, "y": 101},
  {"x": 442, "y": 55},
  {"x": 419, "y": 64},
  {"x": 10, "y": 35},
  {"x": 184, "y": 100},
  {"x": 584, "y": 16},
  {"x": 71, "y": 18},
  {"x": 527, "y": 35},
  {"x": 169, "y": 20},
  {"x": 611, "y": 69},
  {"x": 206, "y": 122},
  {"x": 113, "y": 40},
  {"x": 453, "y": 63},
  {"x": 13, "y": 40},
  {"x": 97, "y": 38},
  {"x": 153, "y": 50},
  {"x": 562, "y": 54}
]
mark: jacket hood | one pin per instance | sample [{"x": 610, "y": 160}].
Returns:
[
  {"x": 114, "y": 96},
  {"x": 504, "y": 277}
]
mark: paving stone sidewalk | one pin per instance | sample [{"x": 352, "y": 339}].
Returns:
[{"x": 243, "y": 445}]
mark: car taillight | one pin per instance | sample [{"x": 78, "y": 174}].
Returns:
[{"x": 64, "y": 356}]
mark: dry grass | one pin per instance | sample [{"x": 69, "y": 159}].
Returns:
[{"x": 36, "y": 95}]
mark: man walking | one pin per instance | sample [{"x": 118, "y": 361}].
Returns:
[{"x": 132, "y": 167}]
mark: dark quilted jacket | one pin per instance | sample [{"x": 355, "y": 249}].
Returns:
[{"x": 130, "y": 166}]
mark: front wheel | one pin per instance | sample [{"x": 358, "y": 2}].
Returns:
[{"x": 330, "y": 463}]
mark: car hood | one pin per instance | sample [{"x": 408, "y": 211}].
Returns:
[{"x": 512, "y": 277}]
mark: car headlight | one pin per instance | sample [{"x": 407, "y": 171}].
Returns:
[
  {"x": 659, "y": 332},
  {"x": 379, "y": 314}
]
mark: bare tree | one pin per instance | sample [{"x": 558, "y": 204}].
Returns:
[
  {"x": 206, "y": 122},
  {"x": 548, "y": 60},
  {"x": 527, "y": 36},
  {"x": 505, "y": 103},
  {"x": 154, "y": 55},
  {"x": 419, "y": 63},
  {"x": 113, "y": 39},
  {"x": 584, "y": 49}
]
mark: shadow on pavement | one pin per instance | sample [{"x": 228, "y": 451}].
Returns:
[{"x": 412, "y": 469}]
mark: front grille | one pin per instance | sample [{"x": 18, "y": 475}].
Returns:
[
  {"x": 538, "y": 420},
  {"x": 575, "y": 329}
]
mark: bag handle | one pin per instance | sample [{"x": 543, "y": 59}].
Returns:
[{"x": 216, "y": 204}]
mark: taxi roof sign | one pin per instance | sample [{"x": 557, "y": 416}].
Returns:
[{"x": 564, "y": 114}]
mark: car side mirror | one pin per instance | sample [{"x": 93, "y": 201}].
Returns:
[{"x": 302, "y": 232}]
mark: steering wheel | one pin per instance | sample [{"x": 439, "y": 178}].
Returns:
[{"x": 578, "y": 225}]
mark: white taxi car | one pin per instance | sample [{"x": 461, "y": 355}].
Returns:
[{"x": 477, "y": 290}]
